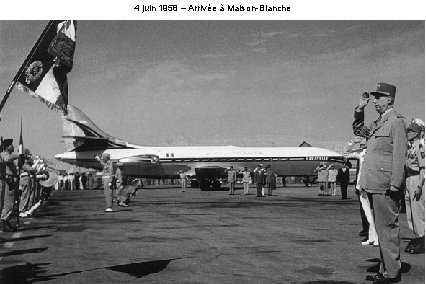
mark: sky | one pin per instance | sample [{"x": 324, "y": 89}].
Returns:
[{"x": 245, "y": 83}]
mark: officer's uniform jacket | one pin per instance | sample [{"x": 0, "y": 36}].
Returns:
[
  {"x": 246, "y": 176},
  {"x": 232, "y": 176},
  {"x": 415, "y": 157},
  {"x": 386, "y": 149},
  {"x": 107, "y": 170},
  {"x": 8, "y": 167},
  {"x": 270, "y": 176},
  {"x": 259, "y": 175}
]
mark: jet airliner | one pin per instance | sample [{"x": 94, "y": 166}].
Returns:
[{"x": 207, "y": 164}]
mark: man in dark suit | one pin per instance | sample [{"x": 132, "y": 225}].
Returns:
[
  {"x": 383, "y": 175},
  {"x": 259, "y": 179},
  {"x": 343, "y": 179}
]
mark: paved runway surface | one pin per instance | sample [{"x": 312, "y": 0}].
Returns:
[{"x": 169, "y": 236}]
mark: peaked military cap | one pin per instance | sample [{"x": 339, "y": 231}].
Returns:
[{"x": 385, "y": 89}]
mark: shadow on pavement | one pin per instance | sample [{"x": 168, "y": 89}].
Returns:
[
  {"x": 24, "y": 251},
  {"x": 30, "y": 273}
]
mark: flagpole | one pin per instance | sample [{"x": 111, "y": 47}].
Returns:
[{"x": 24, "y": 65}]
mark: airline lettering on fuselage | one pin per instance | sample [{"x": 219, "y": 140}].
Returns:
[{"x": 316, "y": 158}]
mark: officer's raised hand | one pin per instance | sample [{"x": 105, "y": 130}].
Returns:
[{"x": 364, "y": 101}]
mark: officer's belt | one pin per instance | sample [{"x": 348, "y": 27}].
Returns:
[{"x": 106, "y": 176}]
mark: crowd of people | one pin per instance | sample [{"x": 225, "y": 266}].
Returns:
[{"x": 77, "y": 181}]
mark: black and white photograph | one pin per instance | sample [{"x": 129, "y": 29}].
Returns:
[{"x": 212, "y": 150}]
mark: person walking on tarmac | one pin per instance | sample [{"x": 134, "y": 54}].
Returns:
[
  {"x": 415, "y": 181},
  {"x": 107, "y": 176},
  {"x": 8, "y": 182}
]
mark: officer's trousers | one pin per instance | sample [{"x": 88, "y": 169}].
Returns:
[
  {"x": 415, "y": 209},
  {"x": 107, "y": 191},
  {"x": 7, "y": 198},
  {"x": 246, "y": 187},
  {"x": 259, "y": 189},
  {"x": 183, "y": 182},
  {"x": 386, "y": 218},
  {"x": 231, "y": 187}
]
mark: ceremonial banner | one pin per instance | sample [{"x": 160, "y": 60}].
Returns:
[{"x": 44, "y": 74}]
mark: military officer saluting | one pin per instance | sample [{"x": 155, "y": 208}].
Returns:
[
  {"x": 8, "y": 182},
  {"x": 107, "y": 175},
  {"x": 382, "y": 175},
  {"x": 414, "y": 194}
]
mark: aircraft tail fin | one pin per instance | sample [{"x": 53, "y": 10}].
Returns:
[{"x": 81, "y": 133}]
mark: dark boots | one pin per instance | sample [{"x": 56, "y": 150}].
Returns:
[
  {"x": 7, "y": 227},
  {"x": 416, "y": 246}
]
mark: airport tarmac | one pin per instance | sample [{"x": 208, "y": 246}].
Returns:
[{"x": 169, "y": 236}]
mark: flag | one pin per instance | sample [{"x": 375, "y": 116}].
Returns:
[
  {"x": 44, "y": 74},
  {"x": 21, "y": 157}
]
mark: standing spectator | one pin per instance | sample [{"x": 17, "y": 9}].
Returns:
[
  {"x": 71, "y": 180},
  {"x": 90, "y": 181},
  {"x": 66, "y": 182},
  {"x": 232, "y": 179},
  {"x": 259, "y": 178},
  {"x": 343, "y": 178},
  {"x": 107, "y": 176},
  {"x": 77, "y": 181},
  {"x": 60, "y": 181},
  {"x": 246, "y": 180},
  {"x": 383, "y": 175},
  {"x": 8, "y": 182},
  {"x": 270, "y": 179},
  {"x": 83, "y": 181},
  {"x": 183, "y": 180},
  {"x": 414, "y": 193},
  {"x": 332, "y": 175}
]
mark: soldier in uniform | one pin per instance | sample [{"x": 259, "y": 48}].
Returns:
[
  {"x": 8, "y": 181},
  {"x": 414, "y": 195},
  {"x": 25, "y": 185},
  {"x": 259, "y": 178},
  {"x": 383, "y": 175},
  {"x": 246, "y": 180},
  {"x": 182, "y": 177},
  {"x": 107, "y": 176},
  {"x": 232, "y": 179},
  {"x": 270, "y": 179},
  {"x": 321, "y": 178}
]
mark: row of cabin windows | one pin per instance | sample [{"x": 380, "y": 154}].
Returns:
[{"x": 170, "y": 155}]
